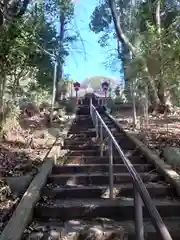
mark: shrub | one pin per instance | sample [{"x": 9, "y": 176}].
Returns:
[{"x": 70, "y": 106}]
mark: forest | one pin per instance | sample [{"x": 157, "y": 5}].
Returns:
[
  {"x": 36, "y": 35},
  {"x": 147, "y": 35},
  {"x": 37, "y": 38}
]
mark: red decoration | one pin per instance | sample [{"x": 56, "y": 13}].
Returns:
[
  {"x": 105, "y": 86},
  {"x": 76, "y": 88}
]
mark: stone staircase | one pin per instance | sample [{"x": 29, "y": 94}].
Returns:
[{"x": 75, "y": 201}]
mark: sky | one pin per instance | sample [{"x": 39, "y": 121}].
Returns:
[{"x": 80, "y": 65}]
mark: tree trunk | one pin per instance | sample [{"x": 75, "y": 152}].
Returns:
[
  {"x": 134, "y": 105},
  {"x": 161, "y": 94},
  {"x": 164, "y": 100},
  {"x": 121, "y": 36},
  {"x": 125, "y": 59},
  {"x": 124, "y": 40},
  {"x": 2, "y": 89},
  {"x": 153, "y": 88},
  {"x": 157, "y": 99},
  {"x": 60, "y": 57}
]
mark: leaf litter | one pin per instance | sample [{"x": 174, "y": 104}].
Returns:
[{"x": 23, "y": 146}]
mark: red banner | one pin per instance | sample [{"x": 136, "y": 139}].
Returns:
[
  {"x": 105, "y": 86},
  {"x": 76, "y": 88}
]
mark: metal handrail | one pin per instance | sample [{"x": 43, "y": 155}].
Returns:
[{"x": 140, "y": 192}]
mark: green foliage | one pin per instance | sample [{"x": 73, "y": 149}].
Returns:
[
  {"x": 155, "y": 62},
  {"x": 117, "y": 91},
  {"x": 55, "y": 8},
  {"x": 36, "y": 41},
  {"x": 147, "y": 14},
  {"x": 38, "y": 95},
  {"x": 23, "y": 53},
  {"x": 113, "y": 104},
  {"x": 101, "y": 18},
  {"x": 162, "y": 54},
  {"x": 68, "y": 105},
  {"x": 28, "y": 48},
  {"x": 102, "y": 24}
]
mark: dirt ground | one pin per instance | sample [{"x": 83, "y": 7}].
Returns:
[
  {"x": 23, "y": 147},
  {"x": 157, "y": 133}
]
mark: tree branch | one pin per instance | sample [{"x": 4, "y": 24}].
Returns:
[
  {"x": 7, "y": 4},
  {"x": 158, "y": 16},
  {"x": 23, "y": 8},
  {"x": 121, "y": 36}
]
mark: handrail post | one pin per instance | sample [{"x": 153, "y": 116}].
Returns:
[
  {"x": 141, "y": 194},
  {"x": 96, "y": 126},
  {"x": 138, "y": 210},
  {"x": 110, "y": 148},
  {"x": 101, "y": 138},
  {"x": 93, "y": 115},
  {"x": 90, "y": 106}
]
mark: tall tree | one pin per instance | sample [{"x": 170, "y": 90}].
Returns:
[
  {"x": 62, "y": 13},
  {"x": 143, "y": 29},
  {"x": 101, "y": 22},
  {"x": 154, "y": 78}
]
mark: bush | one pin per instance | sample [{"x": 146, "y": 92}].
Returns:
[
  {"x": 113, "y": 104},
  {"x": 70, "y": 106},
  {"x": 39, "y": 96},
  {"x": 9, "y": 118}
]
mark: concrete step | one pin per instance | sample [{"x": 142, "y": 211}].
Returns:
[
  {"x": 91, "y": 141},
  {"x": 110, "y": 123},
  {"x": 79, "y": 137},
  {"x": 50, "y": 228},
  {"x": 120, "y": 209},
  {"x": 156, "y": 190},
  {"x": 84, "y": 106},
  {"x": 107, "y": 121},
  {"x": 115, "y": 131},
  {"x": 172, "y": 224},
  {"x": 89, "y": 133},
  {"x": 124, "y": 143},
  {"x": 78, "y": 159},
  {"x": 127, "y": 152},
  {"x": 83, "y": 153},
  {"x": 82, "y": 126},
  {"x": 98, "y": 178},
  {"x": 69, "y": 230},
  {"x": 81, "y": 147},
  {"x": 95, "y": 151},
  {"x": 83, "y": 111},
  {"x": 58, "y": 169},
  {"x": 83, "y": 119}
]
